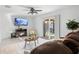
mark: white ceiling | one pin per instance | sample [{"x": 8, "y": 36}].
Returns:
[{"x": 22, "y": 9}]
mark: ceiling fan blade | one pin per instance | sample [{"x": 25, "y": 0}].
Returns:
[
  {"x": 38, "y": 10},
  {"x": 32, "y": 13}
]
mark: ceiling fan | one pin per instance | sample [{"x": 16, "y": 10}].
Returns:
[{"x": 33, "y": 11}]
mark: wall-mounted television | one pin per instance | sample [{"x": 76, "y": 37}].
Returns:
[{"x": 21, "y": 22}]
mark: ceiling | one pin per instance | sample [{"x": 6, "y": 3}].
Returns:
[{"x": 22, "y": 9}]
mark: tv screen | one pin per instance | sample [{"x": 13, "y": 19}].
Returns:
[{"x": 21, "y": 22}]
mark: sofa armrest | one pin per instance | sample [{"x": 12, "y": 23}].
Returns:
[{"x": 54, "y": 47}]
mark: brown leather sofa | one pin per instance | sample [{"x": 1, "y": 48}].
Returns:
[{"x": 70, "y": 45}]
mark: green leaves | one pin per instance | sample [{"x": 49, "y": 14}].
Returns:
[{"x": 72, "y": 24}]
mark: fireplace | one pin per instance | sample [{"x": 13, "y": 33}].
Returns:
[{"x": 19, "y": 32}]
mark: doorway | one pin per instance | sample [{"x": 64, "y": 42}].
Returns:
[{"x": 49, "y": 28}]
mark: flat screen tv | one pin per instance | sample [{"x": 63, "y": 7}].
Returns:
[{"x": 21, "y": 22}]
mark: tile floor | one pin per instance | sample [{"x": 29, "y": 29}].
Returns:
[{"x": 16, "y": 46}]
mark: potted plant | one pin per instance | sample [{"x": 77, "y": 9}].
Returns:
[{"x": 72, "y": 25}]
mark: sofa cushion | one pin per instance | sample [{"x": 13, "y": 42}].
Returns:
[
  {"x": 74, "y": 37},
  {"x": 70, "y": 33},
  {"x": 72, "y": 44}
]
